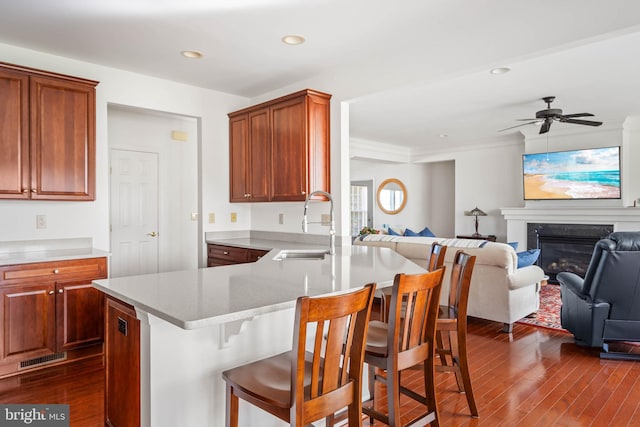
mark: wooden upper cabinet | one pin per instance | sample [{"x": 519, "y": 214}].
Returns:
[
  {"x": 62, "y": 140},
  {"x": 238, "y": 155},
  {"x": 47, "y": 131},
  {"x": 280, "y": 148},
  {"x": 14, "y": 135}
]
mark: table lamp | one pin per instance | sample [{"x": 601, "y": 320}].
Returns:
[{"x": 476, "y": 212}]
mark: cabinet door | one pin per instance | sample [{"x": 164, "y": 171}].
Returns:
[
  {"x": 122, "y": 358},
  {"x": 259, "y": 160},
  {"x": 289, "y": 151},
  {"x": 238, "y": 158},
  {"x": 79, "y": 314},
  {"x": 249, "y": 141},
  {"x": 14, "y": 135},
  {"x": 62, "y": 123},
  {"x": 27, "y": 314}
]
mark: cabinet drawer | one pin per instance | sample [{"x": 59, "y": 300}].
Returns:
[
  {"x": 227, "y": 253},
  {"x": 91, "y": 268},
  {"x": 256, "y": 254}
]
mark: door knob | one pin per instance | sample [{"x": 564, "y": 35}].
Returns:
[{"x": 152, "y": 234}]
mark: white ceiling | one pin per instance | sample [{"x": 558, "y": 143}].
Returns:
[{"x": 425, "y": 62}]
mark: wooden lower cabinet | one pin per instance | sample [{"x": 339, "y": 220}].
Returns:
[
  {"x": 218, "y": 255},
  {"x": 50, "y": 313},
  {"x": 28, "y": 320},
  {"x": 122, "y": 355}
]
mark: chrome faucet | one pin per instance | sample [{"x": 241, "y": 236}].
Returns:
[{"x": 332, "y": 225}]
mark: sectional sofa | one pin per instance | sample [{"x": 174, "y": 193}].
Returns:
[{"x": 500, "y": 291}]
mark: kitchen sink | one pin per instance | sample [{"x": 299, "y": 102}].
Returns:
[{"x": 308, "y": 254}]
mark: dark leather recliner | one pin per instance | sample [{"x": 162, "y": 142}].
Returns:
[{"x": 605, "y": 305}]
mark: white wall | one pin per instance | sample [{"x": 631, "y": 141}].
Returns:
[
  {"x": 489, "y": 177},
  {"x": 429, "y": 193},
  {"x": 148, "y": 131},
  {"x": 442, "y": 205}
]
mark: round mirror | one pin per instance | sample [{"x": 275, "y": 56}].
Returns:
[{"x": 392, "y": 196}]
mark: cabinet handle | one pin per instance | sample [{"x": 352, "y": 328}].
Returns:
[
  {"x": 51, "y": 292},
  {"x": 60, "y": 291},
  {"x": 25, "y": 190},
  {"x": 33, "y": 190},
  {"x": 303, "y": 192},
  {"x": 56, "y": 271},
  {"x": 225, "y": 253}
]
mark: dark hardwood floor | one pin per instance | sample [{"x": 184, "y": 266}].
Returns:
[
  {"x": 532, "y": 377},
  {"x": 79, "y": 384}
]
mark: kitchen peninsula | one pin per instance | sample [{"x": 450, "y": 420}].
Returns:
[{"x": 195, "y": 324}]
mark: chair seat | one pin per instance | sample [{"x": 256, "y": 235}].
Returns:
[
  {"x": 267, "y": 379},
  {"x": 446, "y": 314},
  {"x": 377, "y": 338}
]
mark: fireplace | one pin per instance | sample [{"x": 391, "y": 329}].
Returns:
[{"x": 565, "y": 247}]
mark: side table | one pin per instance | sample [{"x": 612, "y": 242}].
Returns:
[{"x": 489, "y": 237}]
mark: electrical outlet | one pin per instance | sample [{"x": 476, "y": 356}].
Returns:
[
  {"x": 194, "y": 216},
  {"x": 325, "y": 219},
  {"x": 212, "y": 218},
  {"x": 234, "y": 217},
  {"x": 41, "y": 221},
  {"x": 281, "y": 218}
]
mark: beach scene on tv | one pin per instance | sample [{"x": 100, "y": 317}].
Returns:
[{"x": 580, "y": 174}]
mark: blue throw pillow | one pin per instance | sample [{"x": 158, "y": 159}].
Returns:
[
  {"x": 393, "y": 233},
  {"x": 426, "y": 232},
  {"x": 514, "y": 245},
  {"x": 410, "y": 233},
  {"x": 527, "y": 258}
]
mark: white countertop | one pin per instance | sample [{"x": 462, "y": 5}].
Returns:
[
  {"x": 199, "y": 298},
  {"x": 46, "y": 250}
]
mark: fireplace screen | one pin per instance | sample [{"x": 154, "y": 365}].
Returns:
[{"x": 565, "y": 247}]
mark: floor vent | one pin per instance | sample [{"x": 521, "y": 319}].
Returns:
[{"x": 39, "y": 361}]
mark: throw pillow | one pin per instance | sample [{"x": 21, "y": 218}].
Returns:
[
  {"x": 410, "y": 233},
  {"x": 514, "y": 245},
  {"x": 426, "y": 232},
  {"x": 393, "y": 233},
  {"x": 527, "y": 258}
]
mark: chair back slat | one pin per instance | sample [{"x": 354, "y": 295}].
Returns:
[
  {"x": 460, "y": 283},
  {"x": 334, "y": 366},
  {"x": 413, "y": 314},
  {"x": 436, "y": 256}
]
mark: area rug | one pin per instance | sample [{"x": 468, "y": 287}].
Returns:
[{"x": 548, "y": 315}]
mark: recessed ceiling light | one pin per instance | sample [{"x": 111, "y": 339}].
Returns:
[
  {"x": 500, "y": 70},
  {"x": 443, "y": 135},
  {"x": 293, "y": 39},
  {"x": 193, "y": 54}
]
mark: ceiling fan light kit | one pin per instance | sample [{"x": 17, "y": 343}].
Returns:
[{"x": 547, "y": 116}]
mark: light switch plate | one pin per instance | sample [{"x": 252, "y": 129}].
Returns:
[{"x": 212, "y": 218}]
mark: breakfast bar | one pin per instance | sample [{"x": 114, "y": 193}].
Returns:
[{"x": 195, "y": 324}]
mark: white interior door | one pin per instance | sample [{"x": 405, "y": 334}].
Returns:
[{"x": 134, "y": 213}]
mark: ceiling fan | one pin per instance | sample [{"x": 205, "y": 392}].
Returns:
[{"x": 547, "y": 116}]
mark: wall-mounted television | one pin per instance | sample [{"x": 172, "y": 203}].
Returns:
[{"x": 579, "y": 174}]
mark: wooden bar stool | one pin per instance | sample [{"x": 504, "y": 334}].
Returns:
[
  {"x": 302, "y": 386},
  {"x": 405, "y": 341},
  {"x": 452, "y": 323},
  {"x": 435, "y": 261}
]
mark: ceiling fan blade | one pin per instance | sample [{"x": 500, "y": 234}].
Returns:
[
  {"x": 581, "y": 122},
  {"x": 570, "y": 116},
  {"x": 524, "y": 120},
  {"x": 517, "y": 126},
  {"x": 545, "y": 126}
]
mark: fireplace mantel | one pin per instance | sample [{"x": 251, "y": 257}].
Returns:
[{"x": 622, "y": 218}]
